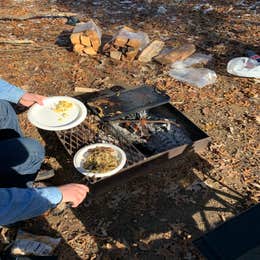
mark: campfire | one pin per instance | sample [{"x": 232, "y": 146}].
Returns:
[{"x": 151, "y": 133}]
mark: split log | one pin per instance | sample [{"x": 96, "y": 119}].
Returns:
[
  {"x": 120, "y": 41},
  {"x": 116, "y": 55},
  {"x": 75, "y": 38},
  {"x": 78, "y": 48},
  {"x": 130, "y": 55},
  {"x": 84, "y": 40},
  {"x": 88, "y": 35},
  {"x": 152, "y": 50},
  {"x": 126, "y": 44},
  {"x": 135, "y": 43},
  {"x": 170, "y": 55},
  {"x": 89, "y": 51}
]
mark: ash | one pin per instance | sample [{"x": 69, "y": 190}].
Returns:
[{"x": 152, "y": 133}]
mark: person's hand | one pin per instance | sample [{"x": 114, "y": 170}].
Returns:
[
  {"x": 74, "y": 193},
  {"x": 29, "y": 99}
]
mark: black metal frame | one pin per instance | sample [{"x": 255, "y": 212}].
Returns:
[{"x": 74, "y": 139}]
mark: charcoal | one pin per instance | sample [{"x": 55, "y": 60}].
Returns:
[{"x": 162, "y": 141}]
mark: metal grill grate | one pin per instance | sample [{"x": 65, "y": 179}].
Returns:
[{"x": 91, "y": 131}]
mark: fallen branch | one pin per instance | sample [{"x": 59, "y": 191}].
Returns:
[
  {"x": 27, "y": 50},
  {"x": 16, "y": 42},
  {"x": 37, "y": 16}
]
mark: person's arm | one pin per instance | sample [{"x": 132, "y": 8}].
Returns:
[
  {"x": 18, "y": 204},
  {"x": 10, "y": 92},
  {"x": 16, "y": 95}
]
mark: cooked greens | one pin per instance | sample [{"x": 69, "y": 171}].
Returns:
[{"x": 101, "y": 160}]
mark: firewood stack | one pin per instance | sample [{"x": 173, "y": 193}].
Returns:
[
  {"x": 126, "y": 44},
  {"x": 86, "y": 38}
]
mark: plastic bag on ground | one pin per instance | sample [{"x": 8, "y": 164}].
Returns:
[
  {"x": 199, "y": 77},
  {"x": 244, "y": 67},
  {"x": 197, "y": 58},
  {"x": 29, "y": 244},
  {"x": 128, "y": 34}
]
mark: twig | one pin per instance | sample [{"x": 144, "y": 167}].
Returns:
[{"x": 37, "y": 16}]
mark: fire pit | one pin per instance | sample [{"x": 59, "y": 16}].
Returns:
[
  {"x": 151, "y": 132},
  {"x": 141, "y": 122}
]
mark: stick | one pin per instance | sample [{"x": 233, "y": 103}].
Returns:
[
  {"x": 38, "y": 16},
  {"x": 16, "y": 42},
  {"x": 22, "y": 48},
  {"x": 86, "y": 90}
]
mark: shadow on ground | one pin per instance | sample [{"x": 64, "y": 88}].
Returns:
[{"x": 159, "y": 214}]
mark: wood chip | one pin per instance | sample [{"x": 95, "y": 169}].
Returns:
[{"x": 120, "y": 245}]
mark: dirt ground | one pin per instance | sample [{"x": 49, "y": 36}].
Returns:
[{"x": 157, "y": 216}]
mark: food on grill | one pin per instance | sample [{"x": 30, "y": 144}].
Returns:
[
  {"x": 62, "y": 108},
  {"x": 101, "y": 160}
]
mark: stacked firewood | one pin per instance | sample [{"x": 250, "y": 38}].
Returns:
[
  {"x": 126, "y": 44},
  {"x": 86, "y": 38}
]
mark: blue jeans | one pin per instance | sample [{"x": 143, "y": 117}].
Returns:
[{"x": 20, "y": 157}]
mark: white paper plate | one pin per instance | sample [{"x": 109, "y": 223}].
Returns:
[
  {"x": 80, "y": 156},
  {"x": 45, "y": 118}
]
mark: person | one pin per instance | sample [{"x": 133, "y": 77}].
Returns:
[{"x": 20, "y": 161}]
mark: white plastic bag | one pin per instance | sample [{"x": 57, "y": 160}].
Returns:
[
  {"x": 89, "y": 26},
  {"x": 197, "y": 58},
  {"x": 198, "y": 77},
  {"x": 244, "y": 67},
  {"x": 141, "y": 36}
]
